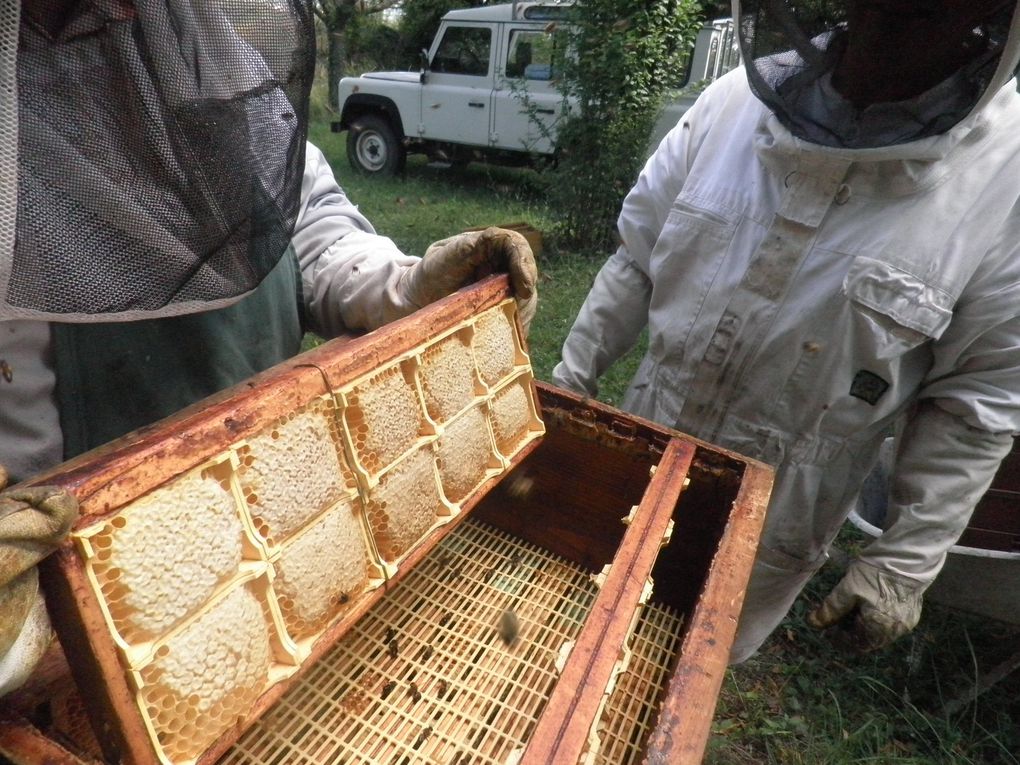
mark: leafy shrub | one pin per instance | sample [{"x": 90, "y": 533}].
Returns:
[{"x": 621, "y": 58}]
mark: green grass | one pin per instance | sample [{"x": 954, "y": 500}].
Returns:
[{"x": 801, "y": 700}]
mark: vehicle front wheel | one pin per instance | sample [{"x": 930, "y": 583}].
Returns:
[{"x": 373, "y": 147}]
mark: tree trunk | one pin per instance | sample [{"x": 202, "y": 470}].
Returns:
[{"x": 335, "y": 68}]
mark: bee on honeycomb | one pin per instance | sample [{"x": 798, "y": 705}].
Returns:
[{"x": 320, "y": 568}]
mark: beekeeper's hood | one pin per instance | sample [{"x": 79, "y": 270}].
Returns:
[
  {"x": 861, "y": 74},
  {"x": 152, "y": 151}
]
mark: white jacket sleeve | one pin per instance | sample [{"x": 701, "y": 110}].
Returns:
[
  {"x": 616, "y": 309},
  {"x": 608, "y": 325},
  {"x": 349, "y": 273},
  {"x": 943, "y": 466},
  {"x": 957, "y": 435}
]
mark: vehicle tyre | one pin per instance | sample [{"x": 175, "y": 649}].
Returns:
[{"x": 373, "y": 147}]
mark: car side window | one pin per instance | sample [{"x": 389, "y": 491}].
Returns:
[
  {"x": 464, "y": 50},
  {"x": 529, "y": 55}
]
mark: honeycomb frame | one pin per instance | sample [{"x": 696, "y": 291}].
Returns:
[
  {"x": 589, "y": 670},
  {"x": 234, "y": 434}
]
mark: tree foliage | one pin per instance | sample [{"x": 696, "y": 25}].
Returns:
[
  {"x": 419, "y": 20},
  {"x": 335, "y": 17},
  {"x": 620, "y": 59}
]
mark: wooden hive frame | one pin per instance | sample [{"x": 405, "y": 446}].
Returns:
[
  {"x": 107, "y": 479},
  {"x": 701, "y": 505}
]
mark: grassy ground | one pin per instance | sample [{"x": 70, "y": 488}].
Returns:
[{"x": 801, "y": 700}]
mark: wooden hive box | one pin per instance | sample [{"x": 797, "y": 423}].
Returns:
[{"x": 604, "y": 664}]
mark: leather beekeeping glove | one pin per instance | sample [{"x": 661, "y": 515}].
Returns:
[
  {"x": 33, "y": 521},
  {"x": 459, "y": 260},
  {"x": 943, "y": 466},
  {"x": 884, "y": 606}
]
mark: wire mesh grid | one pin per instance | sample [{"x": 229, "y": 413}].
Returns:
[
  {"x": 425, "y": 677},
  {"x": 632, "y": 707}
]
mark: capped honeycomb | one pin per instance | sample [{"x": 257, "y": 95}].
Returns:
[
  {"x": 149, "y": 577},
  {"x": 384, "y": 416},
  {"x": 293, "y": 470},
  {"x": 205, "y": 677},
  {"x": 465, "y": 454},
  {"x": 512, "y": 415},
  {"x": 448, "y": 376},
  {"x": 404, "y": 505},
  {"x": 495, "y": 345},
  {"x": 322, "y": 570}
]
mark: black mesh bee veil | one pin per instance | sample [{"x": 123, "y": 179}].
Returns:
[
  {"x": 791, "y": 49},
  {"x": 160, "y": 153}
]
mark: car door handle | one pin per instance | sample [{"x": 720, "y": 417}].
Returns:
[
  {"x": 545, "y": 111},
  {"x": 477, "y": 104}
]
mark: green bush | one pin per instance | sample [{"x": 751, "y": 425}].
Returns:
[{"x": 621, "y": 58}]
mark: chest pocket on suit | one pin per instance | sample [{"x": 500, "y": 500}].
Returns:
[
  {"x": 894, "y": 309},
  {"x": 684, "y": 264},
  {"x": 692, "y": 230}
]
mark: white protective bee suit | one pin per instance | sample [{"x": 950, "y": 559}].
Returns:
[{"x": 800, "y": 301}]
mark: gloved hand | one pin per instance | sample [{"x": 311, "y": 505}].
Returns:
[
  {"x": 459, "y": 260},
  {"x": 33, "y": 521},
  {"x": 884, "y": 606}
]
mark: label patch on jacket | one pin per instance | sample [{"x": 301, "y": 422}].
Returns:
[{"x": 868, "y": 386}]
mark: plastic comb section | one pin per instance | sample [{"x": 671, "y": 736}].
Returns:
[
  {"x": 384, "y": 416},
  {"x": 147, "y": 579},
  {"x": 424, "y": 676},
  {"x": 633, "y": 705},
  {"x": 406, "y": 504},
  {"x": 496, "y": 346},
  {"x": 466, "y": 455},
  {"x": 323, "y": 569},
  {"x": 449, "y": 380},
  {"x": 514, "y": 418},
  {"x": 293, "y": 470},
  {"x": 204, "y": 677}
]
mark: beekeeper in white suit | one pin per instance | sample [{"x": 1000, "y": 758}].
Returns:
[
  {"x": 174, "y": 234},
  {"x": 827, "y": 246}
]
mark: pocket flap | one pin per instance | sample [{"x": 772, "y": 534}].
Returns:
[{"x": 899, "y": 295}]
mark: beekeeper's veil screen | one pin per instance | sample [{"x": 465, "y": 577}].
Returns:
[
  {"x": 870, "y": 73},
  {"x": 160, "y": 151}
]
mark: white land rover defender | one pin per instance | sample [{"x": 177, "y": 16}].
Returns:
[{"x": 487, "y": 90}]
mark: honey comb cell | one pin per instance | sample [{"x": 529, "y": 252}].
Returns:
[
  {"x": 163, "y": 555},
  {"x": 323, "y": 569},
  {"x": 495, "y": 345},
  {"x": 465, "y": 454},
  {"x": 206, "y": 676},
  {"x": 447, "y": 376},
  {"x": 404, "y": 505},
  {"x": 384, "y": 417},
  {"x": 290, "y": 472}
]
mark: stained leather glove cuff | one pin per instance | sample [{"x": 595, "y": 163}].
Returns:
[
  {"x": 459, "y": 260},
  {"x": 886, "y": 605}
]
